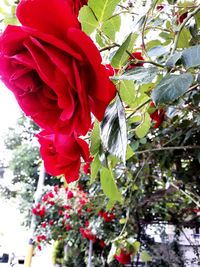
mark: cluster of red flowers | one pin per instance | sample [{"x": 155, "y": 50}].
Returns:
[
  {"x": 39, "y": 210},
  {"x": 47, "y": 63},
  {"x": 108, "y": 217}
]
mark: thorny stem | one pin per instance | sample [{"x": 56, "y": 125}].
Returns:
[
  {"x": 109, "y": 47},
  {"x": 182, "y": 26}
]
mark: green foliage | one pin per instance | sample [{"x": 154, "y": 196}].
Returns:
[{"x": 171, "y": 87}]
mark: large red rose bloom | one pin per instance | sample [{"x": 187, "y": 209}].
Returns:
[
  {"x": 53, "y": 68},
  {"x": 61, "y": 154},
  {"x": 76, "y": 5}
]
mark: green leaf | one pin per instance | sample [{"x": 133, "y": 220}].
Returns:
[
  {"x": 127, "y": 91},
  {"x": 109, "y": 186},
  {"x": 110, "y": 205},
  {"x": 113, "y": 130},
  {"x": 145, "y": 256},
  {"x": 184, "y": 38},
  {"x": 171, "y": 62},
  {"x": 191, "y": 57},
  {"x": 103, "y": 9},
  {"x": 171, "y": 87},
  {"x": 111, "y": 27},
  {"x": 152, "y": 43},
  {"x": 140, "y": 74},
  {"x": 129, "y": 152},
  {"x": 87, "y": 20},
  {"x": 142, "y": 129},
  {"x": 100, "y": 40},
  {"x": 121, "y": 56},
  {"x": 95, "y": 167},
  {"x": 95, "y": 139},
  {"x": 157, "y": 51}
]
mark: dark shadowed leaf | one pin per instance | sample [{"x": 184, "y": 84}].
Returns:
[
  {"x": 171, "y": 62},
  {"x": 140, "y": 74},
  {"x": 191, "y": 57},
  {"x": 171, "y": 87},
  {"x": 113, "y": 130}
]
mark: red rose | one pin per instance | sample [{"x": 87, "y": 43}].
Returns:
[
  {"x": 51, "y": 222},
  {"x": 138, "y": 56},
  {"x": 44, "y": 224},
  {"x": 70, "y": 194},
  {"x": 157, "y": 116},
  {"x": 123, "y": 257},
  {"x": 61, "y": 154},
  {"x": 53, "y": 68},
  {"x": 60, "y": 212},
  {"x": 68, "y": 227}
]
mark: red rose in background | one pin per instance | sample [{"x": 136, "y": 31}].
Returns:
[
  {"x": 76, "y": 5},
  {"x": 123, "y": 257},
  {"x": 157, "y": 116},
  {"x": 136, "y": 55},
  {"x": 61, "y": 154},
  {"x": 53, "y": 68}
]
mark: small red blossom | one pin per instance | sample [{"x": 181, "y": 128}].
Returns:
[
  {"x": 41, "y": 238},
  {"x": 67, "y": 207},
  {"x": 86, "y": 233},
  {"x": 123, "y": 257},
  {"x": 60, "y": 212},
  {"x": 137, "y": 56},
  {"x": 67, "y": 216},
  {"x": 56, "y": 188},
  {"x": 86, "y": 223},
  {"x": 157, "y": 116},
  {"x": 51, "y": 222},
  {"x": 102, "y": 243},
  {"x": 89, "y": 210},
  {"x": 68, "y": 227},
  {"x": 44, "y": 224},
  {"x": 108, "y": 217},
  {"x": 70, "y": 195},
  {"x": 39, "y": 247}
]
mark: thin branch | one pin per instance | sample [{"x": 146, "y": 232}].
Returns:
[
  {"x": 182, "y": 26},
  {"x": 138, "y": 108},
  {"x": 108, "y": 47},
  {"x": 166, "y": 148}
]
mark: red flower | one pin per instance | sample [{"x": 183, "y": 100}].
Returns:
[
  {"x": 136, "y": 55},
  {"x": 68, "y": 227},
  {"x": 102, "y": 243},
  {"x": 39, "y": 210},
  {"x": 48, "y": 63},
  {"x": 60, "y": 212},
  {"x": 157, "y": 116},
  {"x": 61, "y": 154},
  {"x": 51, "y": 222},
  {"x": 123, "y": 257},
  {"x": 108, "y": 217},
  {"x": 41, "y": 238},
  {"x": 86, "y": 223},
  {"x": 44, "y": 224},
  {"x": 86, "y": 233},
  {"x": 70, "y": 194}
]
